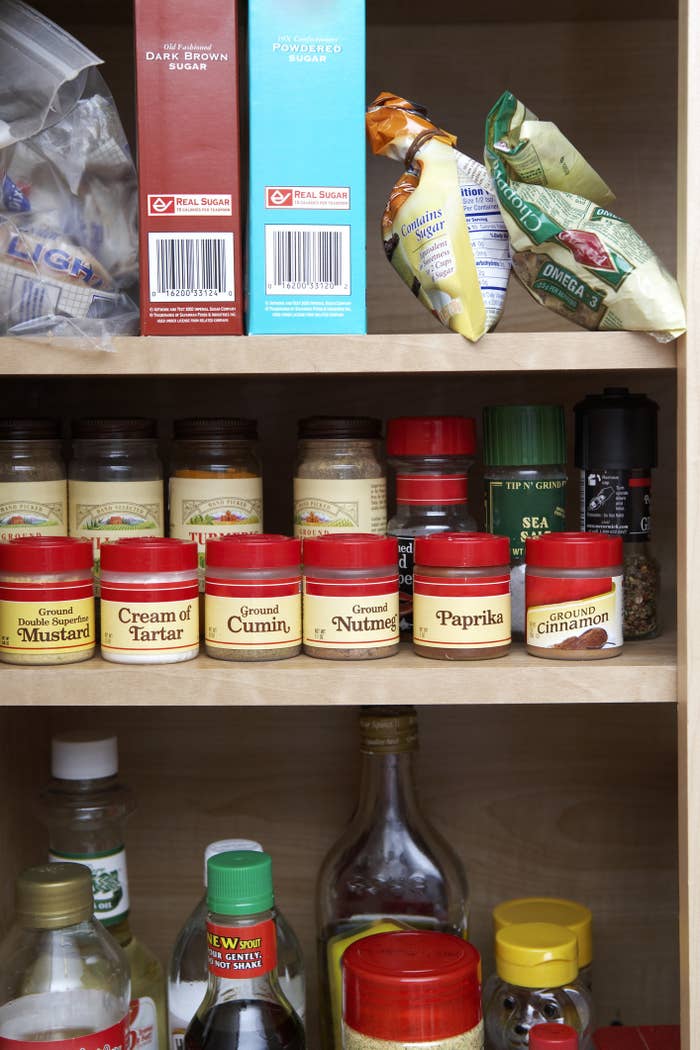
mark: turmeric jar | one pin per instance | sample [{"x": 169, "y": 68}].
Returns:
[{"x": 215, "y": 481}]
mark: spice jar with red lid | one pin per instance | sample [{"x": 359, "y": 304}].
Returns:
[
  {"x": 412, "y": 989},
  {"x": 350, "y": 597},
  {"x": 149, "y": 605},
  {"x": 253, "y": 597},
  {"x": 574, "y": 596},
  {"x": 47, "y": 606},
  {"x": 431, "y": 455},
  {"x": 461, "y": 596}
]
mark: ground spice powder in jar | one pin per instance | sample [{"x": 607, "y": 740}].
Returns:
[
  {"x": 461, "y": 596},
  {"x": 33, "y": 487},
  {"x": 253, "y": 598},
  {"x": 47, "y": 607},
  {"x": 574, "y": 596},
  {"x": 149, "y": 606},
  {"x": 350, "y": 597},
  {"x": 409, "y": 990}
]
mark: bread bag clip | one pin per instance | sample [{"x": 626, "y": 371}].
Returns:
[{"x": 441, "y": 227}]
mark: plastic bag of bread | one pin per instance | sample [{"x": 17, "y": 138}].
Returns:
[
  {"x": 68, "y": 199},
  {"x": 441, "y": 227},
  {"x": 571, "y": 252}
]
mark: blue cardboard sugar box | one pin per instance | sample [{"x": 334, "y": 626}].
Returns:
[{"x": 306, "y": 217}]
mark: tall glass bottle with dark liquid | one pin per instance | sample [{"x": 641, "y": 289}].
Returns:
[
  {"x": 244, "y": 1008},
  {"x": 390, "y": 869}
]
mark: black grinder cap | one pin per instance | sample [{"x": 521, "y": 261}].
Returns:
[{"x": 616, "y": 429}]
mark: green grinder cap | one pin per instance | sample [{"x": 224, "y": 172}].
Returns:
[
  {"x": 524, "y": 435},
  {"x": 239, "y": 883}
]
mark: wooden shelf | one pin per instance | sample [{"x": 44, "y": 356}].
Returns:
[
  {"x": 309, "y": 355},
  {"x": 645, "y": 672}
]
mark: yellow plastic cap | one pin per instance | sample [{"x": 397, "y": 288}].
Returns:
[
  {"x": 576, "y": 917},
  {"x": 536, "y": 955}
]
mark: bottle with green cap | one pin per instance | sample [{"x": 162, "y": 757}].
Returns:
[
  {"x": 244, "y": 1007},
  {"x": 536, "y": 982},
  {"x": 576, "y": 917},
  {"x": 61, "y": 975},
  {"x": 524, "y": 483}
]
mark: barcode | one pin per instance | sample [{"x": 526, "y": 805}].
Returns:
[
  {"x": 313, "y": 260},
  {"x": 191, "y": 266}
]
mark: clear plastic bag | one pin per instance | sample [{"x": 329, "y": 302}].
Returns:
[{"x": 68, "y": 191}]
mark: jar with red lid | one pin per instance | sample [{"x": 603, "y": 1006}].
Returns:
[
  {"x": 461, "y": 596},
  {"x": 47, "y": 606},
  {"x": 149, "y": 603},
  {"x": 350, "y": 597},
  {"x": 573, "y": 596},
  {"x": 253, "y": 597},
  {"x": 410, "y": 989},
  {"x": 431, "y": 455}
]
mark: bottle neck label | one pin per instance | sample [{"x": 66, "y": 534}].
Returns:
[
  {"x": 110, "y": 884},
  {"x": 242, "y": 952},
  {"x": 431, "y": 489},
  {"x": 114, "y": 1038}
]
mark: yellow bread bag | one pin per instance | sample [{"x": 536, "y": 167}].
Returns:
[
  {"x": 441, "y": 227},
  {"x": 570, "y": 251}
]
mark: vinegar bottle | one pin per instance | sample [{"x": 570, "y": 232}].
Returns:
[
  {"x": 244, "y": 1007},
  {"x": 85, "y": 808},
  {"x": 61, "y": 976},
  {"x": 390, "y": 869}
]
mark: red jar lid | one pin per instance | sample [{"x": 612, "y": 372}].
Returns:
[
  {"x": 409, "y": 987},
  {"x": 431, "y": 436},
  {"x": 553, "y": 1037},
  {"x": 259, "y": 551},
  {"x": 45, "y": 554},
  {"x": 573, "y": 550},
  {"x": 462, "y": 549},
  {"x": 358, "y": 550},
  {"x": 148, "y": 554}
]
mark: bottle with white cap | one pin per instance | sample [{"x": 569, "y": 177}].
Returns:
[
  {"x": 188, "y": 973},
  {"x": 85, "y": 808}
]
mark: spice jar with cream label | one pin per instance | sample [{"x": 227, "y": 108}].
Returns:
[
  {"x": 33, "y": 487},
  {"x": 350, "y": 597},
  {"x": 574, "y": 596},
  {"x": 461, "y": 596},
  {"x": 253, "y": 598},
  {"x": 47, "y": 608},
  {"x": 149, "y": 605}
]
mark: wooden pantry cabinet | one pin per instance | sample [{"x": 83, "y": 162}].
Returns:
[{"x": 556, "y": 778}]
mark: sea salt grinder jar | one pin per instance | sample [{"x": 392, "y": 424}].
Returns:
[
  {"x": 47, "y": 608},
  {"x": 461, "y": 596},
  {"x": 253, "y": 598},
  {"x": 351, "y": 596},
  {"x": 409, "y": 990},
  {"x": 149, "y": 606}
]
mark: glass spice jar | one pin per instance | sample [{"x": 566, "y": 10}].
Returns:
[
  {"x": 574, "y": 596},
  {"x": 33, "y": 487},
  {"x": 215, "y": 486},
  {"x": 350, "y": 597},
  {"x": 47, "y": 607},
  {"x": 524, "y": 483},
  {"x": 407, "y": 990},
  {"x": 431, "y": 456},
  {"x": 339, "y": 478},
  {"x": 149, "y": 605},
  {"x": 616, "y": 449},
  {"x": 115, "y": 480},
  {"x": 461, "y": 596},
  {"x": 253, "y": 598}
]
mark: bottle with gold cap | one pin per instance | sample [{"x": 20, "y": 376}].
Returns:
[
  {"x": 390, "y": 869},
  {"x": 576, "y": 917},
  {"x": 85, "y": 807},
  {"x": 61, "y": 975},
  {"x": 536, "y": 982}
]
